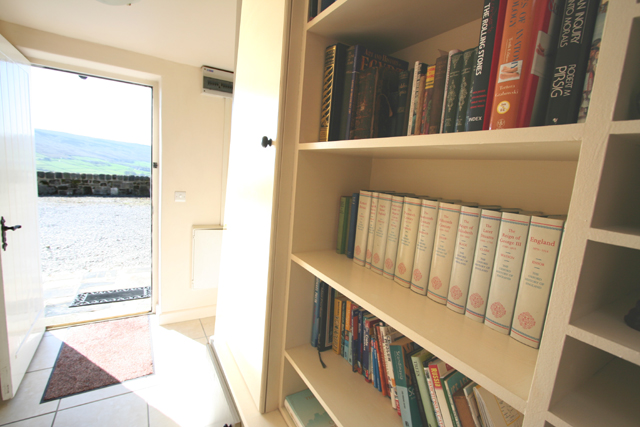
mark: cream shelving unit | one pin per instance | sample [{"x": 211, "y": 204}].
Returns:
[{"x": 587, "y": 369}]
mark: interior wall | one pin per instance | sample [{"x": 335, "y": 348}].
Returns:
[{"x": 192, "y": 136}]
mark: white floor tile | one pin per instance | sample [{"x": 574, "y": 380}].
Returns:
[
  {"x": 209, "y": 325},
  {"x": 26, "y": 403},
  {"x": 41, "y": 421},
  {"x": 190, "y": 328},
  {"x": 46, "y": 354},
  {"x": 126, "y": 410}
]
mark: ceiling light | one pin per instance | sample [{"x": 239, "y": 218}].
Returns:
[{"x": 119, "y": 2}]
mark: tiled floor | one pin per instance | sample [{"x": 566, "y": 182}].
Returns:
[{"x": 183, "y": 391}]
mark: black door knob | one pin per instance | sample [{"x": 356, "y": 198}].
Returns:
[
  {"x": 4, "y": 232},
  {"x": 266, "y": 142}
]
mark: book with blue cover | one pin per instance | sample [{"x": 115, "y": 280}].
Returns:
[{"x": 306, "y": 411}]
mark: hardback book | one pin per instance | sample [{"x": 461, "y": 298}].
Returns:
[
  {"x": 362, "y": 227},
  {"x": 466, "y": 80},
  {"x": 360, "y": 58},
  {"x": 571, "y": 60},
  {"x": 452, "y": 383},
  {"x": 373, "y": 109},
  {"x": 315, "y": 325},
  {"x": 484, "y": 80},
  {"x": 439, "y": 82},
  {"x": 375, "y": 196},
  {"x": 335, "y": 57},
  {"x": 414, "y": 383},
  {"x": 438, "y": 371},
  {"x": 404, "y": 80},
  {"x": 507, "y": 267},
  {"x": 446, "y": 88},
  {"x": 327, "y": 302},
  {"x": 424, "y": 245},
  {"x": 388, "y": 335},
  {"x": 473, "y": 404},
  {"x": 462, "y": 408},
  {"x": 407, "y": 241},
  {"x": 382, "y": 361},
  {"x": 305, "y": 410},
  {"x": 417, "y": 91},
  {"x": 325, "y": 4},
  {"x": 313, "y": 9},
  {"x": 427, "y": 103},
  {"x": 343, "y": 223},
  {"x": 452, "y": 92},
  {"x": 380, "y": 233},
  {"x": 401, "y": 371},
  {"x": 464, "y": 251},
  {"x": 391, "y": 249},
  {"x": 360, "y": 342},
  {"x": 355, "y": 334},
  {"x": 353, "y": 220},
  {"x": 368, "y": 320},
  {"x": 443, "y": 251},
  {"x": 496, "y": 412},
  {"x": 346, "y": 307},
  {"x": 536, "y": 279},
  {"x": 339, "y": 300},
  {"x": 432, "y": 393},
  {"x": 483, "y": 260},
  {"x": 418, "y": 359},
  {"x": 592, "y": 64}
]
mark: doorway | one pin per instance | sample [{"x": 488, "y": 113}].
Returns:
[{"x": 93, "y": 139}]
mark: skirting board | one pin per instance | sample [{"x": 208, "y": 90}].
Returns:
[{"x": 184, "y": 315}]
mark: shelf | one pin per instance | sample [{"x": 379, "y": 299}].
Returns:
[
  {"x": 541, "y": 143},
  {"x": 499, "y": 363},
  {"x": 347, "y": 397},
  {"x": 605, "y": 329},
  {"x": 617, "y": 235},
  {"x": 388, "y": 26},
  {"x": 626, "y": 127}
]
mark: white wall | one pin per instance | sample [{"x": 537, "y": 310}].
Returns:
[{"x": 192, "y": 129}]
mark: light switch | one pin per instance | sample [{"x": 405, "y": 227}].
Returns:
[{"x": 180, "y": 196}]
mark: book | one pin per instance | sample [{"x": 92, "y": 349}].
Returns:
[
  {"x": 418, "y": 360},
  {"x": 407, "y": 241},
  {"x": 339, "y": 300},
  {"x": 368, "y": 322},
  {"x": 305, "y": 410},
  {"x": 362, "y": 227},
  {"x": 438, "y": 370},
  {"x": 313, "y": 9},
  {"x": 373, "y": 108},
  {"x": 417, "y": 90},
  {"x": 353, "y": 220},
  {"x": 375, "y": 196},
  {"x": 538, "y": 267},
  {"x": 401, "y": 371},
  {"x": 424, "y": 245},
  {"x": 404, "y": 79},
  {"x": 446, "y": 88},
  {"x": 496, "y": 412},
  {"x": 315, "y": 323},
  {"x": 413, "y": 379},
  {"x": 442, "y": 258},
  {"x": 382, "y": 371},
  {"x": 432, "y": 393},
  {"x": 487, "y": 58},
  {"x": 571, "y": 59},
  {"x": 389, "y": 335},
  {"x": 355, "y": 333},
  {"x": 391, "y": 249},
  {"x": 592, "y": 64},
  {"x": 325, "y": 4},
  {"x": 439, "y": 82},
  {"x": 471, "y": 401},
  {"x": 462, "y": 408},
  {"x": 325, "y": 333},
  {"x": 507, "y": 266},
  {"x": 343, "y": 223},
  {"x": 483, "y": 260},
  {"x": 452, "y": 383},
  {"x": 466, "y": 80},
  {"x": 335, "y": 57},
  {"x": 464, "y": 251},
  {"x": 452, "y": 91},
  {"x": 427, "y": 104},
  {"x": 380, "y": 233},
  {"x": 360, "y": 58}
]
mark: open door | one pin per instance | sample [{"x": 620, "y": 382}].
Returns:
[{"x": 21, "y": 302}]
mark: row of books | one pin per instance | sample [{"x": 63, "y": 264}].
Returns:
[
  {"x": 493, "y": 264},
  {"x": 534, "y": 65},
  {"x": 423, "y": 389}
]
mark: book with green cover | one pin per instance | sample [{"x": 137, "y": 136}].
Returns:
[
  {"x": 406, "y": 394},
  {"x": 466, "y": 83},
  {"x": 452, "y": 383},
  {"x": 418, "y": 359},
  {"x": 343, "y": 223},
  {"x": 450, "y": 106},
  {"x": 305, "y": 410}
]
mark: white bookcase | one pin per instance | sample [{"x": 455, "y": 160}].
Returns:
[{"x": 587, "y": 370}]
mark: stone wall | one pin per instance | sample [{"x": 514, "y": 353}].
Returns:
[{"x": 86, "y": 184}]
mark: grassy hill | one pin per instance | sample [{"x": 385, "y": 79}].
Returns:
[{"x": 64, "y": 152}]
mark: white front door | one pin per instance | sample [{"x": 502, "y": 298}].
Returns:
[{"x": 21, "y": 302}]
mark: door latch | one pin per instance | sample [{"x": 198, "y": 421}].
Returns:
[{"x": 4, "y": 232}]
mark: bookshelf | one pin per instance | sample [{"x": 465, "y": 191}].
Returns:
[{"x": 588, "y": 366}]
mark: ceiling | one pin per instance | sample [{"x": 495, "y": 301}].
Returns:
[{"x": 193, "y": 32}]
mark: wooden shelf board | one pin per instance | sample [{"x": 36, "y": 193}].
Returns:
[
  {"x": 542, "y": 143},
  {"x": 609, "y": 398},
  {"x": 347, "y": 397},
  {"x": 496, "y": 361},
  {"x": 628, "y": 237},
  {"x": 626, "y": 127},
  {"x": 555, "y": 421},
  {"x": 389, "y": 26},
  {"x": 605, "y": 329}
]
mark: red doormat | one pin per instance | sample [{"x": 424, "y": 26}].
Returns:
[{"x": 99, "y": 355}]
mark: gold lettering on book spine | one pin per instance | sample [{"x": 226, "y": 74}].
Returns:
[{"x": 327, "y": 90}]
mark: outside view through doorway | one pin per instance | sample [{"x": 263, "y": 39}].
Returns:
[{"x": 93, "y": 156}]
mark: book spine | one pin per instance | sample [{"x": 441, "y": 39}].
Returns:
[
  {"x": 409, "y": 418},
  {"x": 346, "y": 307},
  {"x": 506, "y": 271},
  {"x": 446, "y": 89},
  {"x": 365, "y": 103},
  {"x": 441, "y": 396},
  {"x": 452, "y": 92},
  {"x": 382, "y": 372},
  {"x": 403, "y": 94},
  {"x": 463, "y": 258},
  {"x": 570, "y": 67},
  {"x": 322, "y": 316},
  {"x": 483, "y": 260},
  {"x": 452, "y": 384},
  {"x": 414, "y": 93},
  {"x": 593, "y": 61},
  {"x": 313, "y": 9},
  {"x": 391, "y": 250},
  {"x": 332, "y": 87},
  {"x": 466, "y": 80},
  {"x": 423, "y": 388},
  {"x": 484, "y": 80},
  {"x": 407, "y": 241},
  {"x": 343, "y": 221},
  {"x": 337, "y": 325},
  {"x": 353, "y": 220},
  {"x": 463, "y": 410},
  {"x": 362, "y": 227},
  {"x": 375, "y": 197},
  {"x": 413, "y": 384},
  {"x": 442, "y": 258},
  {"x": 349, "y": 93},
  {"x": 428, "y": 100},
  {"x": 419, "y": 101},
  {"x": 315, "y": 329},
  {"x": 424, "y": 246},
  {"x": 538, "y": 268},
  {"x": 434, "y": 398},
  {"x": 439, "y": 82},
  {"x": 381, "y": 231}
]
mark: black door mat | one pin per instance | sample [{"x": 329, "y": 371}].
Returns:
[{"x": 103, "y": 297}]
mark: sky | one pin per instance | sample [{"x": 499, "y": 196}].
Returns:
[{"x": 93, "y": 107}]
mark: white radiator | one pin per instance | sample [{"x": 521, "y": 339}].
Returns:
[{"x": 205, "y": 256}]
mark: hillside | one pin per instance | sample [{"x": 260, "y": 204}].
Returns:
[{"x": 64, "y": 152}]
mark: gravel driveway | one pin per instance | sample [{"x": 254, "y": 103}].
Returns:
[{"x": 88, "y": 233}]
